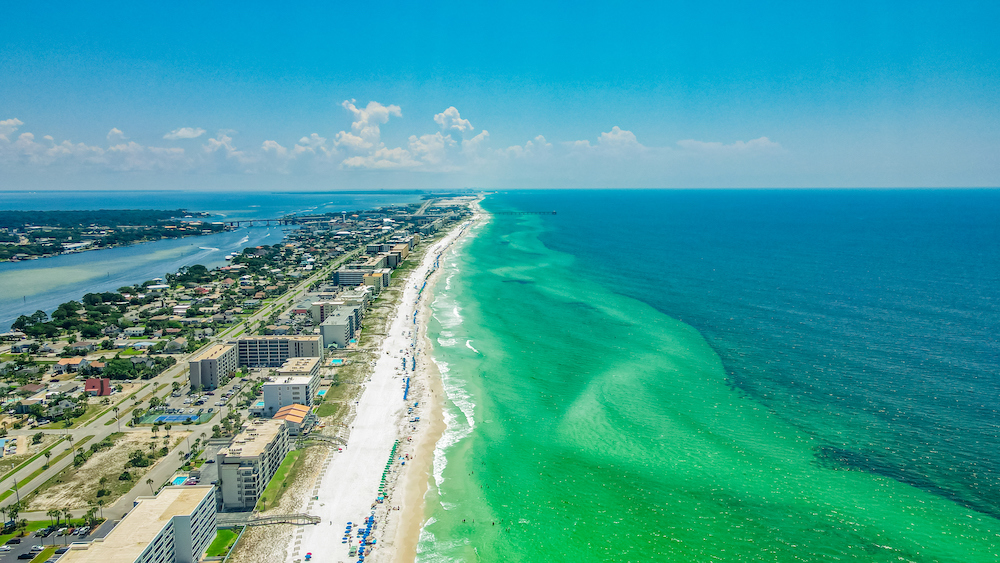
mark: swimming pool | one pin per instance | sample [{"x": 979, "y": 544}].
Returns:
[
  {"x": 179, "y": 480},
  {"x": 322, "y": 392},
  {"x": 337, "y": 362}
]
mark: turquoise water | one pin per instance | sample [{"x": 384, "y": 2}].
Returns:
[
  {"x": 322, "y": 392},
  {"x": 179, "y": 480},
  {"x": 587, "y": 425}
]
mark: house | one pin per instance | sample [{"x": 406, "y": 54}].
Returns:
[
  {"x": 98, "y": 387},
  {"x": 176, "y": 346},
  {"x": 135, "y": 331},
  {"x": 83, "y": 346},
  {"x": 98, "y": 366},
  {"x": 22, "y": 347},
  {"x": 59, "y": 408},
  {"x": 71, "y": 365}
]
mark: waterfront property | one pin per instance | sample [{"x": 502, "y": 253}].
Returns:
[
  {"x": 175, "y": 526},
  {"x": 210, "y": 366},
  {"x": 273, "y": 351},
  {"x": 248, "y": 463}
]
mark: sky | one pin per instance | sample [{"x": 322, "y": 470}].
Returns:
[{"x": 506, "y": 95}]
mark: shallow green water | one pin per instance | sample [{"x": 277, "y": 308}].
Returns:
[{"x": 587, "y": 426}]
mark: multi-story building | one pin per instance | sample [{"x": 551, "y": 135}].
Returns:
[
  {"x": 340, "y": 327},
  {"x": 289, "y": 390},
  {"x": 248, "y": 463},
  {"x": 209, "y": 367},
  {"x": 273, "y": 351},
  {"x": 350, "y": 276},
  {"x": 175, "y": 526},
  {"x": 308, "y": 367}
]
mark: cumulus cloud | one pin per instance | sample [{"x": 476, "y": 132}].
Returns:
[
  {"x": 116, "y": 135},
  {"x": 366, "y": 123},
  {"x": 432, "y": 149},
  {"x": 616, "y": 153},
  {"x": 450, "y": 119},
  {"x": 9, "y": 126},
  {"x": 185, "y": 133},
  {"x": 382, "y": 159}
]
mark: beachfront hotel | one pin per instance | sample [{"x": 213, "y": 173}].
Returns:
[
  {"x": 273, "y": 351},
  {"x": 175, "y": 526},
  {"x": 211, "y": 365},
  {"x": 248, "y": 463}
]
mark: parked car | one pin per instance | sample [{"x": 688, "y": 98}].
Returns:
[
  {"x": 13, "y": 541},
  {"x": 62, "y": 550},
  {"x": 26, "y": 556},
  {"x": 37, "y": 548},
  {"x": 5, "y": 547}
]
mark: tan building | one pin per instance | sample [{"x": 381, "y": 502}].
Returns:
[
  {"x": 175, "y": 526},
  {"x": 308, "y": 367},
  {"x": 208, "y": 368},
  {"x": 248, "y": 463},
  {"x": 273, "y": 351}
]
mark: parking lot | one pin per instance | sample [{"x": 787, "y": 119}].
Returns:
[{"x": 28, "y": 547}]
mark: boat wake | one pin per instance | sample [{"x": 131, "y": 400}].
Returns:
[
  {"x": 209, "y": 248},
  {"x": 468, "y": 344}
]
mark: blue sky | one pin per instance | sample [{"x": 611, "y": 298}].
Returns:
[{"x": 513, "y": 94}]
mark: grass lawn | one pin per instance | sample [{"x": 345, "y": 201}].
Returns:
[
  {"x": 42, "y": 469},
  {"x": 44, "y": 554},
  {"x": 277, "y": 485},
  {"x": 224, "y": 540},
  {"x": 78, "y": 421},
  {"x": 327, "y": 409}
]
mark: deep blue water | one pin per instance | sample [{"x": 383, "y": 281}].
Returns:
[{"x": 866, "y": 318}]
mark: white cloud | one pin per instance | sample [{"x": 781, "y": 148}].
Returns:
[
  {"x": 352, "y": 141},
  {"x": 382, "y": 158},
  {"x": 761, "y": 144},
  {"x": 532, "y": 147},
  {"x": 367, "y": 120},
  {"x": 432, "y": 149},
  {"x": 450, "y": 119},
  {"x": 312, "y": 141},
  {"x": 9, "y": 126},
  {"x": 185, "y": 133},
  {"x": 116, "y": 135},
  {"x": 614, "y": 157}
]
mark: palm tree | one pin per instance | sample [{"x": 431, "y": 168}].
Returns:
[
  {"x": 167, "y": 428},
  {"x": 118, "y": 420},
  {"x": 68, "y": 514},
  {"x": 100, "y": 505},
  {"x": 48, "y": 455},
  {"x": 54, "y": 513},
  {"x": 150, "y": 483}
]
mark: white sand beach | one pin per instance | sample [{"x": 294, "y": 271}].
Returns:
[{"x": 348, "y": 487}]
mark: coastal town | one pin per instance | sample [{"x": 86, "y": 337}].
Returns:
[{"x": 186, "y": 417}]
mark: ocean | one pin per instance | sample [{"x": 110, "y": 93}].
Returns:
[
  {"x": 744, "y": 375},
  {"x": 43, "y": 284}
]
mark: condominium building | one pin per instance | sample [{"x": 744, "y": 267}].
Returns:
[
  {"x": 340, "y": 327},
  {"x": 248, "y": 463},
  {"x": 209, "y": 367},
  {"x": 350, "y": 276},
  {"x": 273, "y": 351},
  {"x": 175, "y": 526},
  {"x": 289, "y": 390},
  {"x": 308, "y": 367}
]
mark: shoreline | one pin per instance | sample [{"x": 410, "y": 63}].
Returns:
[
  {"x": 414, "y": 481},
  {"x": 350, "y": 487}
]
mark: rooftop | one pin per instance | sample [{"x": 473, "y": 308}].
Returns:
[
  {"x": 214, "y": 352},
  {"x": 140, "y": 526},
  {"x": 253, "y": 439}
]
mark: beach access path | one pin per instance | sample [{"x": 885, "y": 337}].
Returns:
[{"x": 350, "y": 483}]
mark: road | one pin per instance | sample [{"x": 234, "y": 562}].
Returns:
[{"x": 100, "y": 430}]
